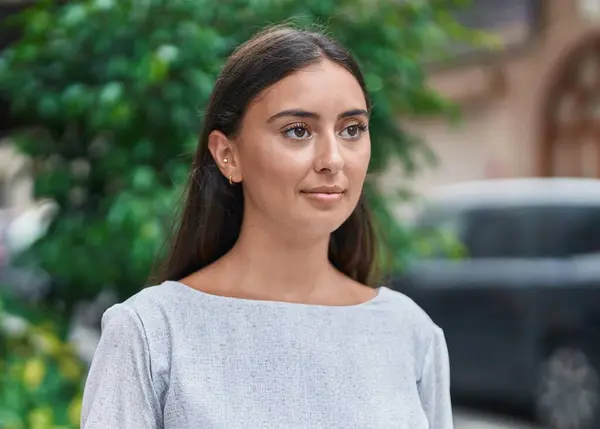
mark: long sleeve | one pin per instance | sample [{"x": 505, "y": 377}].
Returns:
[
  {"x": 119, "y": 392},
  {"x": 434, "y": 385}
]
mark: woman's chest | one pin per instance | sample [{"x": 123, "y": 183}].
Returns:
[{"x": 301, "y": 383}]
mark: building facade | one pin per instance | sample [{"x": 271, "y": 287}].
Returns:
[{"x": 532, "y": 109}]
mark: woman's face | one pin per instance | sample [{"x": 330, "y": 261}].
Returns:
[{"x": 303, "y": 150}]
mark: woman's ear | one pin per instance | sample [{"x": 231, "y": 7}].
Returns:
[{"x": 225, "y": 155}]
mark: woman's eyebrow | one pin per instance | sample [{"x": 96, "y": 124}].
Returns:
[
  {"x": 296, "y": 113},
  {"x": 299, "y": 113},
  {"x": 354, "y": 112}
]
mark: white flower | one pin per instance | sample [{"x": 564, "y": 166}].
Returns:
[
  {"x": 167, "y": 53},
  {"x": 13, "y": 326},
  {"x": 104, "y": 4}
]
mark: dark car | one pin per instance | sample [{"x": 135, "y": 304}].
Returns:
[{"x": 521, "y": 308}]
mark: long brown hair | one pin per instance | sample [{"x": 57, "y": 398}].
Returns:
[{"x": 213, "y": 209}]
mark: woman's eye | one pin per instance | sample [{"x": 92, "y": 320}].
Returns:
[
  {"x": 352, "y": 132},
  {"x": 297, "y": 132}
]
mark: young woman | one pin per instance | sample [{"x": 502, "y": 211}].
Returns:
[{"x": 265, "y": 317}]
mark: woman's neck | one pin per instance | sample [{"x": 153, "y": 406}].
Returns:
[{"x": 268, "y": 264}]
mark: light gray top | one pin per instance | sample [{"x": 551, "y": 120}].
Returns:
[{"x": 172, "y": 357}]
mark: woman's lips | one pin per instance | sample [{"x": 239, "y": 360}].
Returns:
[{"x": 324, "y": 196}]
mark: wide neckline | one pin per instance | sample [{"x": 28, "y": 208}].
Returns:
[{"x": 282, "y": 304}]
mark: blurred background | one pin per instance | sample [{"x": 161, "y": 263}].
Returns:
[{"x": 484, "y": 181}]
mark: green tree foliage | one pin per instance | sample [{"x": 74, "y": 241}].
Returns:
[{"x": 113, "y": 92}]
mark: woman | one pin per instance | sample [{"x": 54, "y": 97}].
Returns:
[{"x": 264, "y": 317}]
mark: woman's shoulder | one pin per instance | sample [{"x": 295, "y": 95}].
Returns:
[
  {"x": 162, "y": 295},
  {"x": 150, "y": 308},
  {"x": 404, "y": 305},
  {"x": 407, "y": 315}
]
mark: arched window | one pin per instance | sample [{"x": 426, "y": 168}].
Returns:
[{"x": 571, "y": 116}]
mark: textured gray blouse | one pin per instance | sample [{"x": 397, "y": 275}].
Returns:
[{"x": 172, "y": 357}]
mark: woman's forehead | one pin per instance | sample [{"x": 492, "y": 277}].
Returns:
[{"x": 324, "y": 87}]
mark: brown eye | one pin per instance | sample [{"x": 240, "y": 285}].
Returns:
[
  {"x": 353, "y": 132},
  {"x": 297, "y": 132}
]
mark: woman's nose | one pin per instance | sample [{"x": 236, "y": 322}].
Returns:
[{"x": 328, "y": 155}]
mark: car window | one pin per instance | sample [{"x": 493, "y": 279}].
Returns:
[
  {"x": 572, "y": 231},
  {"x": 512, "y": 231},
  {"x": 499, "y": 232}
]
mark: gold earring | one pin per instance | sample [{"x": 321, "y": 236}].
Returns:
[{"x": 230, "y": 180}]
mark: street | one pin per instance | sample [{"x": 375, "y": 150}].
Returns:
[{"x": 464, "y": 419}]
